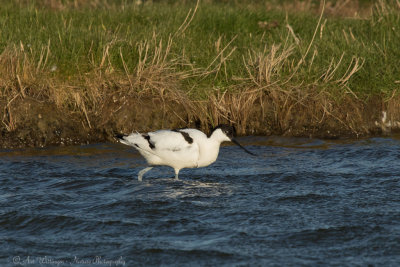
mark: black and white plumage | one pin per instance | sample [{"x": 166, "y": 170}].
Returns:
[{"x": 180, "y": 148}]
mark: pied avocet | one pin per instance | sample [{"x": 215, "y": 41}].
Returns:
[{"x": 180, "y": 148}]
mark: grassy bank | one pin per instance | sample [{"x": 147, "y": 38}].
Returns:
[{"x": 81, "y": 70}]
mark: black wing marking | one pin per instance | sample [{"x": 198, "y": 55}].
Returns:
[
  {"x": 147, "y": 137},
  {"x": 185, "y": 135}
]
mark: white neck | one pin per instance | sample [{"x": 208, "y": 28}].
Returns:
[
  {"x": 210, "y": 148},
  {"x": 219, "y": 136}
]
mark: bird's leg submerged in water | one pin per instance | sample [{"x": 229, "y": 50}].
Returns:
[
  {"x": 140, "y": 175},
  {"x": 180, "y": 148},
  {"x": 142, "y": 172}
]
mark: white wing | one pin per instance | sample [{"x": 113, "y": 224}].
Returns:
[
  {"x": 175, "y": 148},
  {"x": 168, "y": 140},
  {"x": 178, "y": 148}
]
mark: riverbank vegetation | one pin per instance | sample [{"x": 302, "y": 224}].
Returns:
[{"x": 78, "y": 71}]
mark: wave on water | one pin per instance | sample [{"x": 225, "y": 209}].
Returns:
[{"x": 299, "y": 203}]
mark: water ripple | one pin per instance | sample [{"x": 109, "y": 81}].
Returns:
[{"x": 300, "y": 202}]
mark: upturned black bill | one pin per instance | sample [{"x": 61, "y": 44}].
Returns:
[{"x": 242, "y": 147}]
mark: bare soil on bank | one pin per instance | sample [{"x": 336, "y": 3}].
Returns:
[{"x": 32, "y": 123}]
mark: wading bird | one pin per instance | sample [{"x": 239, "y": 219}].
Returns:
[{"x": 180, "y": 148}]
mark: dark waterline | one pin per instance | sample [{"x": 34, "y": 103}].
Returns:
[{"x": 301, "y": 202}]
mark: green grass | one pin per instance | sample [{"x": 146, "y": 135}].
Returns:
[{"x": 79, "y": 37}]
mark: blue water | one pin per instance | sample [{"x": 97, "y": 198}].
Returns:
[{"x": 301, "y": 202}]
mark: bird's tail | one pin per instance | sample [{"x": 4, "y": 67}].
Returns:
[
  {"x": 119, "y": 136},
  {"x": 122, "y": 138},
  {"x": 134, "y": 139}
]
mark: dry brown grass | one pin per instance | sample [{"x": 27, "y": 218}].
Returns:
[
  {"x": 263, "y": 101},
  {"x": 391, "y": 107},
  {"x": 266, "y": 101},
  {"x": 20, "y": 78}
]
